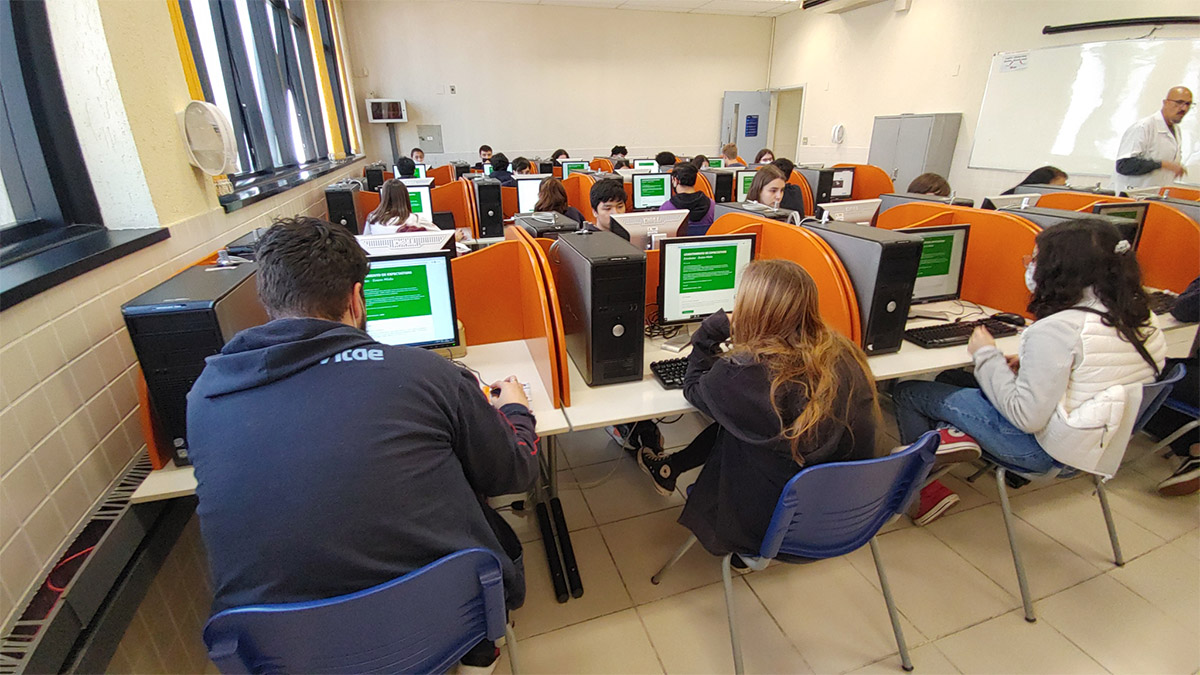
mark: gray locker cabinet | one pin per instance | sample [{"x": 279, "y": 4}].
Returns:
[{"x": 906, "y": 146}]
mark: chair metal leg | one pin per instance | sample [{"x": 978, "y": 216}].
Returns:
[
  {"x": 975, "y": 476},
  {"x": 1012, "y": 544},
  {"x": 727, "y": 579},
  {"x": 893, "y": 613},
  {"x": 691, "y": 541},
  {"x": 510, "y": 643},
  {"x": 1108, "y": 520},
  {"x": 1173, "y": 437}
]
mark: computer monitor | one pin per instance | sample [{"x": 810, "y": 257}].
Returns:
[
  {"x": 527, "y": 192},
  {"x": 488, "y": 168},
  {"x": 743, "y": 180},
  {"x": 409, "y": 300},
  {"x": 843, "y": 183},
  {"x": 853, "y": 211},
  {"x": 640, "y": 228},
  {"x": 407, "y": 242},
  {"x": 700, "y": 275},
  {"x": 570, "y": 166},
  {"x": 419, "y": 172},
  {"x": 1023, "y": 200},
  {"x": 1135, "y": 211},
  {"x": 716, "y": 163},
  {"x": 645, "y": 164},
  {"x": 651, "y": 190},
  {"x": 420, "y": 199},
  {"x": 939, "y": 275}
]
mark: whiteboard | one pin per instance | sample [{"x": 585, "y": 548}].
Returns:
[{"x": 1069, "y": 106}]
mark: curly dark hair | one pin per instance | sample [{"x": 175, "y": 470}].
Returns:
[{"x": 1074, "y": 256}]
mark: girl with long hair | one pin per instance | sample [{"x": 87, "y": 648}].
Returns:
[
  {"x": 394, "y": 213},
  {"x": 790, "y": 392},
  {"x": 768, "y": 186},
  {"x": 1067, "y": 401},
  {"x": 552, "y": 197}
]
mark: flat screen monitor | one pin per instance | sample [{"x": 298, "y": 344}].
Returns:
[
  {"x": 1130, "y": 211},
  {"x": 527, "y": 192},
  {"x": 570, "y": 166},
  {"x": 1020, "y": 201},
  {"x": 420, "y": 170},
  {"x": 645, "y": 164},
  {"x": 843, "y": 183},
  {"x": 643, "y": 230},
  {"x": 487, "y": 168},
  {"x": 718, "y": 163},
  {"x": 939, "y": 275},
  {"x": 409, "y": 300},
  {"x": 744, "y": 179},
  {"x": 419, "y": 198},
  {"x": 852, "y": 211},
  {"x": 699, "y": 275},
  {"x": 651, "y": 190}
]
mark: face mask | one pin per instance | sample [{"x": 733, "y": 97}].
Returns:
[{"x": 1029, "y": 282}]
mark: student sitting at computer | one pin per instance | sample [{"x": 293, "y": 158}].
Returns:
[
  {"x": 485, "y": 155},
  {"x": 552, "y": 197},
  {"x": 930, "y": 184},
  {"x": 559, "y": 154},
  {"x": 729, "y": 153},
  {"x": 607, "y": 197},
  {"x": 767, "y": 187},
  {"x": 521, "y": 167},
  {"x": 764, "y": 156},
  {"x": 790, "y": 393},
  {"x": 394, "y": 213},
  {"x": 1060, "y": 403},
  {"x": 700, "y": 207},
  {"x": 417, "y": 155},
  {"x": 619, "y": 152},
  {"x": 327, "y": 462},
  {"x": 500, "y": 170},
  {"x": 699, "y": 161},
  {"x": 665, "y": 160},
  {"x": 1186, "y": 479},
  {"x": 793, "y": 195},
  {"x": 1044, "y": 175},
  {"x": 405, "y": 168}
]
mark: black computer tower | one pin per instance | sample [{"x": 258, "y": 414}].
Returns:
[
  {"x": 723, "y": 184},
  {"x": 882, "y": 265},
  {"x": 488, "y": 207},
  {"x": 782, "y": 215},
  {"x": 461, "y": 168},
  {"x": 601, "y": 281},
  {"x": 176, "y": 325},
  {"x": 1044, "y": 217},
  {"x": 341, "y": 199},
  {"x": 825, "y": 184},
  {"x": 547, "y": 225},
  {"x": 374, "y": 174}
]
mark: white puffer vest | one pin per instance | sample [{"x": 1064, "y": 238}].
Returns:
[{"x": 1092, "y": 423}]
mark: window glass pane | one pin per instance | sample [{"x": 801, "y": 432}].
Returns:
[
  {"x": 248, "y": 39},
  {"x": 203, "y": 21},
  {"x": 7, "y": 217}
]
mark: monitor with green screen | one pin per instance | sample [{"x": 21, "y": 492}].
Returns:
[
  {"x": 572, "y": 166},
  {"x": 939, "y": 274},
  {"x": 700, "y": 275}
]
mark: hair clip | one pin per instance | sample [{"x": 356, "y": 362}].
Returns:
[{"x": 1122, "y": 247}]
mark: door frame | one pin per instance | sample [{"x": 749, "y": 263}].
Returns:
[{"x": 775, "y": 118}]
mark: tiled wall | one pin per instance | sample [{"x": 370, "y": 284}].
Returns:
[{"x": 68, "y": 403}]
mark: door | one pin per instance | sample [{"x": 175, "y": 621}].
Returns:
[
  {"x": 885, "y": 135},
  {"x": 744, "y": 119},
  {"x": 912, "y": 148},
  {"x": 788, "y": 104}
]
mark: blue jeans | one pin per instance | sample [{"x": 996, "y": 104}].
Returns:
[{"x": 920, "y": 406}]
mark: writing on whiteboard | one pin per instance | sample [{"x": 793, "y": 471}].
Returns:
[{"x": 1014, "y": 61}]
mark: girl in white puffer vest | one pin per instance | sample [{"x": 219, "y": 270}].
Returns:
[{"x": 1071, "y": 397}]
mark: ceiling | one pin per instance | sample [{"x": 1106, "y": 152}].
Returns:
[{"x": 739, "y": 7}]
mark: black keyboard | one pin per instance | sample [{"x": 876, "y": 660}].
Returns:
[
  {"x": 670, "y": 372},
  {"x": 951, "y": 334},
  {"x": 1161, "y": 303}
]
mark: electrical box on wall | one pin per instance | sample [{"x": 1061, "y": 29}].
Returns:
[
  {"x": 429, "y": 138},
  {"x": 386, "y": 110}
]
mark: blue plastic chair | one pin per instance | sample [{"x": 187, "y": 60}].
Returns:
[
  {"x": 422, "y": 622},
  {"x": 829, "y": 510},
  {"x": 1153, "y": 396}
]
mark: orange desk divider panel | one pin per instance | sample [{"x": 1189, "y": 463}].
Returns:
[
  {"x": 157, "y": 447},
  {"x": 579, "y": 188},
  {"x": 869, "y": 181},
  {"x": 508, "y": 201},
  {"x": 742, "y": 161},
  {"x": 1169, "y": 250},
  {"x": 1177, "y": 192},
  {"x": 495, "y": 307},
  {"x": 541, "y": 251},
  {"x": 601, "y": 164},
  {"x": 629, "y": 196},
  {"x": 388, "y": 175},
  {"x": 441, "y": 175},
  {"x": 455, "y": 197},
  {"x": 1076, "y": 201},
  {"x": 839, "y": 305},
  {"x": 367, "y": 201},
  {"x": 557, "y": 171},
  {"x": 796, "y": 178},
  {"x": 903, "y": 218},
  {"x": 704, "y": 186}
]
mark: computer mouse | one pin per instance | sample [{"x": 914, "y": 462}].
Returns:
[{"x": 1009, "y": 318}]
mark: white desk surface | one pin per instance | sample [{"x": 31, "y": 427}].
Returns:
[{"x": 494, "y": 362}]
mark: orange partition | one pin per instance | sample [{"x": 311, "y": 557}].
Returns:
[
  {"x": 579, "y": 188},
  {"x": 1177, "y": 192},
  {"x": 367, "y": 202},
  {"x": 902, "y": 220},
  {"x": 704, "y": 186},
  {"x": 742, "y": 161},
  {"x": 455, "y": 197},
  {"x": 508, "y": 201},
  {"x": 1076, "y": 201},
  {"x": 1169, "y": 250},
  {"x": 601, "y": 164},
  {"x": 869, "y": 181},
  {"x": 442, "y": 175},
  {"x": 541, "y": 251},
  {"x": 511, "y": 306},
  {"x": 839, "y": 305},
  {"x": 810, "y": 206},
  {"x": 629, "y": 196}
]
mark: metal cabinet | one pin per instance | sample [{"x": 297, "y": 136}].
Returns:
[{"x": 906, "y": 146}]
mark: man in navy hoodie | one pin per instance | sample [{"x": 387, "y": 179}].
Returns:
[{"x": 327, "y": 462}]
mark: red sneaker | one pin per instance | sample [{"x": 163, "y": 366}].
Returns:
[
  {"x": 956, "y": 446},
  {"x": 936, "y": 499}
]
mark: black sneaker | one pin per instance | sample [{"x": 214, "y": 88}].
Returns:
[
  {"x": 656, "y": 466},
  {"x": 1185, "y": 480}
]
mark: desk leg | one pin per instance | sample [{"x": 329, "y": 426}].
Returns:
[{"x": 547, "y": 490}]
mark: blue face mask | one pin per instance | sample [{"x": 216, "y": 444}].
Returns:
[{"x": 1029, "y": 282}]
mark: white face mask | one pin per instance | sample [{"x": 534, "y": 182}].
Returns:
[{"x": 1029, "y": 282}]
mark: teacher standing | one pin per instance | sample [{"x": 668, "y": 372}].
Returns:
[{"x": 1149, "y": 154}]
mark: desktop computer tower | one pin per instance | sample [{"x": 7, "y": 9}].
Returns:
[
  {"x": 601, "y": 281},
  {"x": 547, "y": 225},
  {"x": 341, "y": 199},
  {"x": 176, "y": 325},
  {"x": 782, "y": 215},
  {"x": 722, "y": 182},
  {"x": 882, "y": 265},
  {"x": 826, "y": 185},
  {"x": 461, "y": 168},
  {"x": 374, "y": 173},
  {"x": 1044, "y": 217},
  {"x": 488, "y": 207}
]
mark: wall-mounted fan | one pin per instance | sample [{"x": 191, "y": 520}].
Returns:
[{"x": 208, "y": 137}]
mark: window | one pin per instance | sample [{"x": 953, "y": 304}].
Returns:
[{"x": 256, "y": 61}]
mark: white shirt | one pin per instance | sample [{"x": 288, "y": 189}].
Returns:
[
  {"x": 1149, "y": 138},
  {"x": 393, "y": 225}
]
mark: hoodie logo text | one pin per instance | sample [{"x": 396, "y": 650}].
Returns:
[{"x": 360, "y": 354}]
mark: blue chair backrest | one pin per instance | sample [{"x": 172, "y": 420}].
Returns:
[
  {"x": 829, "y": 510},
  {"x": 421, "y": 622},
  {"x": 1155, "y": 393}
]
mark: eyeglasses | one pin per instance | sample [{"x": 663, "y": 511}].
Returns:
[{"x": 1185, "y": 104}]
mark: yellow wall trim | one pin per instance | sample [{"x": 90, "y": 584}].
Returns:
[{"x": 185, "y": 51}]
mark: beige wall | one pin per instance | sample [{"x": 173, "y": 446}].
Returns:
[
  {"x": 932, "y": 58},
  {"x": 533, "y": 78}
]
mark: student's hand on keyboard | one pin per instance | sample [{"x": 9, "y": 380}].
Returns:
[
  {"x": 511, "y": 391},
  {"x": 980, "y": 338}
]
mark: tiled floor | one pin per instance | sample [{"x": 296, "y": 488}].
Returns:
[{"x": 953, "y": 581}]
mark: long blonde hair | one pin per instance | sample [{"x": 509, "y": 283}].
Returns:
[{"x": 777, "y": 322}]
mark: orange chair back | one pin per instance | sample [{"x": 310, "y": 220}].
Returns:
[
  {"x": 442, "y": 175},
  {"x": 1178, "y": 192},
  {"x": 579, "y": 188},
  {"x": 806, "y": 192},
  {"x": 869, "y": 181},
  {"x": 704, "y": 186},
  {"x": 367, "y": 201},
  {"x": 601, "y": 164},
  {"x": 1169, "y": 250},
  {"x": 455, "y": 197},
  {"x": 508, "y": 201}
]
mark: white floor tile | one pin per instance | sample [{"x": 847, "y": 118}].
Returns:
[
  {"x": 616, "y": 643},
  {"x": 1167, "y": 577},
  {"x": 926, "y": 660},
  {"x": 1009, "y": 644},
  {"x": 581, "y": 448},
  {"x": 525, "y": 523},
  {"x": 1135, "y": 495},
  {"x": 619, "y": 489},
  {"x": 640, "y": 546},
  {"x": 1189, "y": 543}
]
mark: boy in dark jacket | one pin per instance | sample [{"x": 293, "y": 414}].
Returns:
[
  {"x": 699, "y": 206},
  {"x": 500, "y": 170}
]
